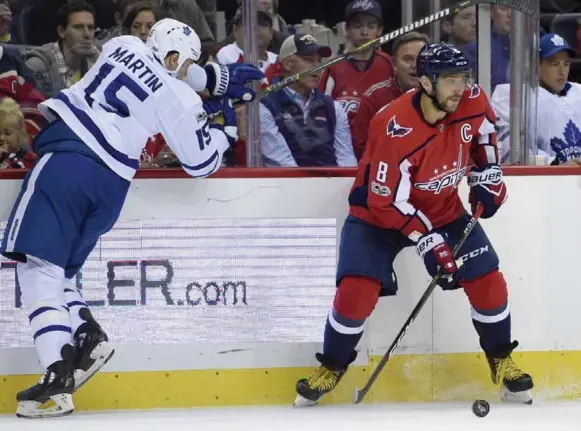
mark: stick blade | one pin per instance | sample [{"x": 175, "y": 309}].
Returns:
[{"x": 358, "y": 396}]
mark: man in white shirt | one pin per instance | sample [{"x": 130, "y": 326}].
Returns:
[
  {"x": 234, "y": 52},
  {"x": 299, "y": 126},
  {"x": 558, "y": 132}
]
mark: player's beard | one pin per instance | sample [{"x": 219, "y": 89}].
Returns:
[{"x": 447, "y": 105}]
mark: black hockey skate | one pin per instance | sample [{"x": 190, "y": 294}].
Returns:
[
  {"x": 515, "y": 385},
  {"x": 93, "y": 349},
  {"x": 52, "y": 395},
  {"x": 323, "y": 380}
]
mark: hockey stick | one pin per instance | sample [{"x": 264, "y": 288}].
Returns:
[
  {"x": 360, "y": 394},
  {"x": 528, "y": 7}
]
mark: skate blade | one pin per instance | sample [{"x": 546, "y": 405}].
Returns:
[
  {"x": 62, "y": 405},
  {"x": 524, "y": 397},
  {"x": 301, "y": 401},
  {"x": 101, "y": 354}
]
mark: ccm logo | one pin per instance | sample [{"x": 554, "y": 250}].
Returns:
[{"x": 473, "y": 254}]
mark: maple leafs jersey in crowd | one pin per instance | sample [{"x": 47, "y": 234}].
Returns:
[
  {"x": 558, "y": 131},
  {"x": 409, "y": 174},
  {"x": 346, "y": 82},
  {"x": 126, "y": 98}
]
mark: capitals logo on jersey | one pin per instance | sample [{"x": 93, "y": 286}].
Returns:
[
  {"x": 349, "y": 101},
  {"x": 570, "y": 147},
  {"x": 397, "y": 131},
  {"x": 474, "y": 91}
]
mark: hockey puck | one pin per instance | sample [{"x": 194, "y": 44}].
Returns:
[{"x": 480, "y": 408}]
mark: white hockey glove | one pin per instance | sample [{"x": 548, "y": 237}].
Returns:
[{"x": 229, "y": 80}]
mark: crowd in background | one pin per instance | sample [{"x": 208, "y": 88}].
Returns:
[{"x": 322, "y": 120}]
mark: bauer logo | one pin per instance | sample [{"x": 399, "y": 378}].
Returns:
[{"x": 199, "y": 281}]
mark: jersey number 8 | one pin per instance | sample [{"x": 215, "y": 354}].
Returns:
[
  {"x": 114, "y": 104},
  {"x": 381, "y": 172}
]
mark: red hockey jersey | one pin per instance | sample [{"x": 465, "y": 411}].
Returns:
[
  {"x": 375, "y": 98},
  {"x": 409, "y": 174},
  {"x": 346, "y": 83}
]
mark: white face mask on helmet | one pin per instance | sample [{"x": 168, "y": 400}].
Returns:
[{"x": 170, "y": 35}]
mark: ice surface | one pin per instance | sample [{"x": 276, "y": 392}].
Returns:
[{"x": 394, "y": 417}]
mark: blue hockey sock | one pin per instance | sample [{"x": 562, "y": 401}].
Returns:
[
  {"x": 341, "y": 337},
  {"x": 493, "y": 327}
]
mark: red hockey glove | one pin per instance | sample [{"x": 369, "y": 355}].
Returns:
[{"x": 486, "y": 188}]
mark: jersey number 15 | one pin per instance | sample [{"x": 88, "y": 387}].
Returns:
[{"x": 113, "y": 103}]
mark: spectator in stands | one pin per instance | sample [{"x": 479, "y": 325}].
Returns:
[
  {"x": 12, "y": 81},
  {"x": 499, "y": 46},
  {"x": 75, "y": 51},
  {"x": 348, "y": 80},
  {"x": 139, "y": 20},
  {"x": 271, "y": 6},
  {"x": 299, "y": 126},
  {"x": 5, "y": 22},
  {"x": 122, "y": 7},
  {"x": 234, "y": 52},
  {"x": 14, "y": 139},
  {"x": 460, "y": 28},
  {"x": 558, "y": 128},
  {"x": 279, "y": 25},
  {"x": 405, "y": 51},
  {"x": 209, "y": 9},
  {"x": 188, "y": 12}
]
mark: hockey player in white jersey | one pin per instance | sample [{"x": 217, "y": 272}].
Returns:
[
  {"x": 88, "y": 156},
  {"x": 558, "y": 121}
]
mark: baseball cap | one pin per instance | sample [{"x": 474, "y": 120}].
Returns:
[
  {"x": 304, "y": 45},
  {"x": 363, "y": 6},
  {"x": 551, "y": 44},
  {"x": 238, "y": 16}
]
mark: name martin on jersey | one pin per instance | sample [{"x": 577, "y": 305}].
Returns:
[{"x": 137, "y": 67}]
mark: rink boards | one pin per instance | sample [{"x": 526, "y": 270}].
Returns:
[{"x": 215, "y": 292}]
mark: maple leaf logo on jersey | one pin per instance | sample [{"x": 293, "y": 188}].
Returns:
[
  {"x": 570, "y": 148},
  {"x": 187, "y": 30},
  {"x": 396, "y": 130},
  {"x": 558, "y": 40}
]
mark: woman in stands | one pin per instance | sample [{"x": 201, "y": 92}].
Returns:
[
  {"x": 15, "y": 134},
  {"x": 139, "y": 19}
]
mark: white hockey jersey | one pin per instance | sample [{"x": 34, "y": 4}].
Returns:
[
  {"x": 233, "y": 54},
  {"x": 127, "y": 97},
  {"x": 558, "y": 126}
]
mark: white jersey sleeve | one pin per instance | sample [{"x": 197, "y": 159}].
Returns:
[{"x": 127, "y": 97}]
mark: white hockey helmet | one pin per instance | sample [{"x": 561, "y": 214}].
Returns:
[{"x": 170, "y": 35}]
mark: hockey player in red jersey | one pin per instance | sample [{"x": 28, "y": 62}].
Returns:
[
  {"x": 405, "y": 51},
  {"x": 348, "y": 80},
  {"x": 405, "y": 194}
]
